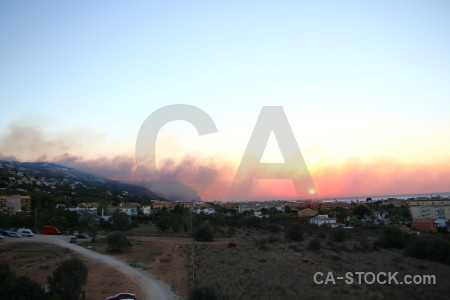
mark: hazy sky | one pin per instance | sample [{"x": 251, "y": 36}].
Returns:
[{"x": 364, "y": 84}]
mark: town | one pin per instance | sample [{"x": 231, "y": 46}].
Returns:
[{"x": 92, "y": 212}]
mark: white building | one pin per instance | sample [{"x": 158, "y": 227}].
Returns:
[
  {"x": 434, "y": 208},
  {"x": 322, "y": 219}
]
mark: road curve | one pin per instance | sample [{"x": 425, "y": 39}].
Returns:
[{"x": 152, "y": 288}]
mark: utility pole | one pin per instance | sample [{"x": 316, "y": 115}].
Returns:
[
  {"x": 191, "y": 219},
  {"x": 35, "y": 220}
]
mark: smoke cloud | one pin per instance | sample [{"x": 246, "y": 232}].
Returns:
[{"x": 178, "y": 179}]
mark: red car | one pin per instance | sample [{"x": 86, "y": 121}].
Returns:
[{"x": 122, "y": 296}]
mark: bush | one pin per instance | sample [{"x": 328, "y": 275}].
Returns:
[
  {"x": 204, "y": 233},
  {"x": 322, "y": 231},
  {"x": 12, "y": 287},
  {"x": 203, "y": 293},
  {"x": 117, "y": 242},
  {"x": 393, "y": 238},
  {"x": 294, "y": 233},
  {"x": 430, "y": 248},
  {"x": 251, "y": 221},
  {"x": 314, "y": 244},
  {"x": 274, "y": 228},
  {"x": 231, "y": 245},
  {"x": 338, "y": 235},
  {"x": 68, "y": 279}
]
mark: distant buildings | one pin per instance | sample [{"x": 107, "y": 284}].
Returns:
[
  {"x": 15, "y": 204},
  {"x": 322, "y": 219},
  {"x": 307, "y": 212},
  {"x": 130, "y": 209},
  {"x": 429, "y": 213},
  {"x": 430, "y": 208}
]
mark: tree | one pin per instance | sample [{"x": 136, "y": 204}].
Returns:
[
  {"x": 361, "y": 211},
  {"x": 163, "y": 223},
  {"x": 120, "y": 220},
  {"x": 117, "y": 242},
  {"x": 58, "y": 221},
  {"x": 68, "y": 279},
  {"x": 18, "y": 287},
  {"x": 204, "y": 233},
  {"x": 87, "y": 218}
]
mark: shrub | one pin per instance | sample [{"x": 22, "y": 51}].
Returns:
[
  {"x": 338, "y": 235},
  {"x": 251, "y": 221},
  {"x": 274, "y": 228},
  {"x": 314, "y": 244},
  {"x": 231, "y": 232},
  {"x": 68, "y": 279},
  {"x": 294, "y": 232},
  {"x": 13, "y": 287},
  {"x": 117, "y": 242},
  {"x": 203, "y": 293},
  {"x": 231, "y": 245},
  {"x": 393, "y": 238},
  {"x": 431, "y": 248},
  {"x": 204, "y": 233}
]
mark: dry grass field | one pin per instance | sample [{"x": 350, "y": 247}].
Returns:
[
  {"x": 265, "y": 266},
  {"x": 259, "y": 265},
  {"x": 38, "y": 260}
]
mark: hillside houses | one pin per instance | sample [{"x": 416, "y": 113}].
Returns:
[{"x": 320, "y": 220}]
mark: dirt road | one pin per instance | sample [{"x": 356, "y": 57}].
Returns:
[{"x": 152, "y": 288}]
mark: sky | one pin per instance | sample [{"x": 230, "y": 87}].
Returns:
[{"x": 364, "y": 86}]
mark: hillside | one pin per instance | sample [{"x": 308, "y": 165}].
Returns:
[{"x": 29, "y": 177}]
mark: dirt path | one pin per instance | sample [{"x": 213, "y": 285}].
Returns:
[{"x": 152, "y": 288}]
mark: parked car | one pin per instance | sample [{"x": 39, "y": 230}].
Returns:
[
  {"x": 82, "y": 235},
  {"x": 122, "y": 296},
  {"x": 1, "y": 236},
  {"x": 25, "y": 232},
  {"x": 10, "y": 233},
  {"x": 66, "y": 232}
]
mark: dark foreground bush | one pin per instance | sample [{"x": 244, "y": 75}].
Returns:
[
  {"x": 430, "y": 248},
  {"x": 294, "y": 232},
  {"x": 68, "y": 279},
  {"x": 393, "y": 238},
  {"x": 203, "y": 293},
  {"x": 314, "y": 244},
  {"x": 338, "y": 235},
  {"x": 231, "y": 245},
  {"x": 18, "y": 287},
  {"x": 117, "y": 242},
  {"x": 204, "y": 233}
]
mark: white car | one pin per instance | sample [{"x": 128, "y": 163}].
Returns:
[{"x": 25, "y": 232}]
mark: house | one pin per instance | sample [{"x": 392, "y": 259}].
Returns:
[
  {"x": 130, "y": 209},
  {"x": 307, "y": 212},
  {"x": 15, "y": 204},
  {"x": 89, "y": 207},
  {"x": 146, "y": 209},
  {"x": 424, "y": 224},
  {"x": 322, "y": 219},
  {"x": 206, "y": 211},
  {"x": 158, "y": 205}
]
